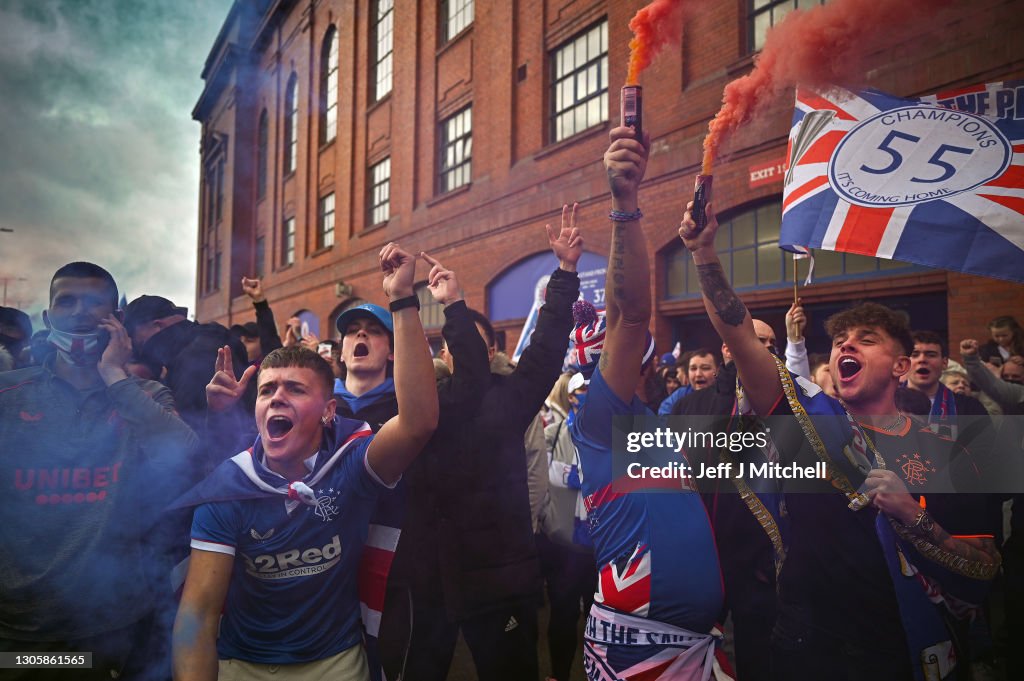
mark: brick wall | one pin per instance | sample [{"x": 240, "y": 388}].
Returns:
[{"x": 499, "y": 64}]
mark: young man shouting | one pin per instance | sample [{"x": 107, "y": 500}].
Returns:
[
  {"x": 279, "y": 535},
  {"x": 866, "y": 564}
]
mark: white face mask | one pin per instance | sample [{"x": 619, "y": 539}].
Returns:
[{"x": 80, "y": 349}]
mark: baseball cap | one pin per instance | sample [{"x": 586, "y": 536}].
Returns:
[
  {"x": 249, "y": 330},
  {"x": 147, "y": 308},
  {"x": 375, "y": 312},
  {"x": 576, "y": 382}
]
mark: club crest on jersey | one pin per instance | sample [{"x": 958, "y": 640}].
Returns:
[
  {"x": 915, "y": 469},
  {"x": 325, "y": 508}
]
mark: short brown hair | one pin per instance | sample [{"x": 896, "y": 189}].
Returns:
[
  {"x": 703, "y": 352},
  {"x": 873, "y": 315},
  {"x": 299, "y": 357}
]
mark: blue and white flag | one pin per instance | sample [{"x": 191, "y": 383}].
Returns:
[{"x": 936, "y": 180}]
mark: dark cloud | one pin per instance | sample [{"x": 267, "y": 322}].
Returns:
[{"x": 100, "y": 155}]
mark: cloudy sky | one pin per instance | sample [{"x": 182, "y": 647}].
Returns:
[{"x": 99, "y": 155}]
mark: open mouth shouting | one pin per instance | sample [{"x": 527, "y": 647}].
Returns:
[
  {"x": 361, "y": 350},
  {"x": 278, "y": 428},
  {"x": 848, "y": 368}
]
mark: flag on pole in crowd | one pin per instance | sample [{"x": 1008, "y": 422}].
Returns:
[
  {"x": 539, "y": 291},
  {"x": 936, "y": 180}
]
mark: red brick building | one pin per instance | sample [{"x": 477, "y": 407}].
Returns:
[{"x": 460, "y": 127}]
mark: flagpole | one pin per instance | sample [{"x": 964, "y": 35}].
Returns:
[{"x": 795, "y": 276}]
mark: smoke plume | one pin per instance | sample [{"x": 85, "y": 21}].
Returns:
[
  {"x": 654, "y": 26},
  {"x": 821, "y": 47}
]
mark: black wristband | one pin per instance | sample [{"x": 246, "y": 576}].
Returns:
[{"x": 402, "y": 303}]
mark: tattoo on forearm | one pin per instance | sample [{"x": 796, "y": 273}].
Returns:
[
  {"x": 943, "y": 539},
  {"x": 618, "y": 240},
  {"x": 720, "y": 293},
  {"x": 617, "y": 262}
]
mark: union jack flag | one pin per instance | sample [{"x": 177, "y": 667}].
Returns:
[
  {"x": 937, "y": 180},
  {"x": 588, "y": 341},
  {"x": 625, "y": 583}
]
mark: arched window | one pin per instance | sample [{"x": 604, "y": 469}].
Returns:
[
  {"x": 262, "y": 140},
  {"x": 329, "y": 87},
  {"x": 291, "y": 124}
]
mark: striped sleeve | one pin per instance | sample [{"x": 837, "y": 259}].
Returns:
[{"x": 215, "y": 528}]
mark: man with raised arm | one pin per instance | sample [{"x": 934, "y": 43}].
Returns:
[
  {"x": 659, "y": 586},
  {"x": 866, "y": 564},
  {"x": 279, "y": 529},
  {"x": 468, "y": 552}
]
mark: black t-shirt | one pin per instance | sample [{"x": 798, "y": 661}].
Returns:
[{"x": 835, "y": 569}]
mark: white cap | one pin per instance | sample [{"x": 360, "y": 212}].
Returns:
[{"x": 576, "y": 382}]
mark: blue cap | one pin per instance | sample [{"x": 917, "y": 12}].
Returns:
[{"x": 375, "y": 312}]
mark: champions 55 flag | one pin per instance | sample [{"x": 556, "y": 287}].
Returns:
[{"x": 936, "y": 181}]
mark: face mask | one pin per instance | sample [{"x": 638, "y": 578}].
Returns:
[{"x": 80, "y": 349}]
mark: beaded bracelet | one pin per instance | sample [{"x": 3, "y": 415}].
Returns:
[{"x": 621, "y": 216}]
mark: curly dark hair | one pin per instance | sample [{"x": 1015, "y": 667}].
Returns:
[{"x": 873, "y": 315}]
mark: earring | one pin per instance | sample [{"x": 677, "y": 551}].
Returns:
[{"x": 326, "y": 421}]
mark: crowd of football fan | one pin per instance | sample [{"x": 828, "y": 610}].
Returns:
[{"x": 184, "y": 499}]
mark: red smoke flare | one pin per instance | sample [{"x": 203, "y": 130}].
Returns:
[
  {"x": 653, "y": 27},
  {"x": 821, "y": 47}
]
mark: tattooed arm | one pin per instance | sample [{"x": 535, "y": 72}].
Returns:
[
  {"x": 975, "y": 555},
  {"x": 628, "y": 281},
  {"x": 729, "y": 315}
]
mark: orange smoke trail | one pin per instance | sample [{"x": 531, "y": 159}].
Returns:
[
  {"x": 821, "y": 47},
  {"x": 653, "y": 27}
]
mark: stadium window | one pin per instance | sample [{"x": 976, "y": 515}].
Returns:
[
  {"x": 382, "y": 40},
  {"x": 748, "y": 247},
  {"x": 329, "y": 87},
  {"x": 456, "y": 15},
  {"x": 431, "y": 311},
  {"x": 211, "y": 197},
  {"x": 220, "y": 191},
  {"x": 325, "y": 222},
  {"x": 288, "y": 242},
  {"x": 763, "y": 14},
  {"x": 291, "y": 125},
  {"x": 262, "y": 141},
  {"x": 579, "y": 82},
  {"x": 380, "y": 192},
  {"x": 205, "y": 266},
  {"x": 456, "y": 150},
  {"x": 261, "y": 255}
]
